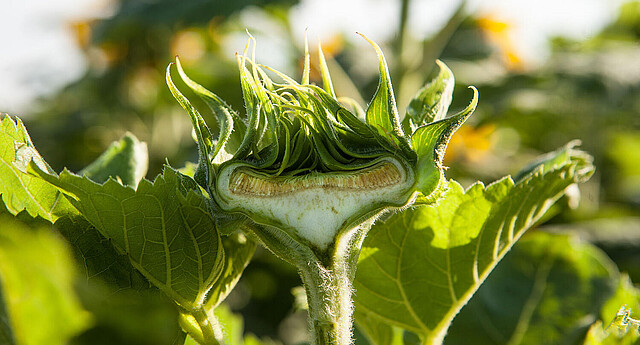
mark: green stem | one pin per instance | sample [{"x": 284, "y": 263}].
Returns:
[
  {"x": 327, "y": 277},
  {"x": 330, "y": 305},
  {"x": 207, "y": 326},
  {"x": 329, "y": 289}
]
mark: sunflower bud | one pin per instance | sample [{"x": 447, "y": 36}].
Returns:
[{"x": 307, "y": 165}]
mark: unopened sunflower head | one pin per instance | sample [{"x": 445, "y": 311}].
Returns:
[{"x": 303, "y": 162}]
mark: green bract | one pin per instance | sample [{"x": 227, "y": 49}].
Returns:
[{"x": 308, "y": 165}]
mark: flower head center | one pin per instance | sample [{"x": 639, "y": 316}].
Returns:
[
  {"x": 315, "y": 206},
  {"x": 243, "y": 182}
]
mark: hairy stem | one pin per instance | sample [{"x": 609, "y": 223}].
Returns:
[
  {"x": 329, "y": 289},
  {"x": 330, "y": 304},
  {"x": 327, "y": 276},
  {"x": 207, "y": 326}
]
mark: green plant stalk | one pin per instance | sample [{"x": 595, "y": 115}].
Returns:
[
  {"x": 207, "y": 326},
  {"x": 327, "y": 277},
  {"x": 329, "y": 289},
  {"x": 201, "y": 325},
  {"x": 330, "y": 304}
]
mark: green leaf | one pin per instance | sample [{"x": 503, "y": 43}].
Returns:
[
  {"x": 377, "y": 331},
  {"x": 430, "y": 143},
  {"x": 165, "y": 228},
  {"x": 382, "y": 112},
  {"x": 620, "y": 314},
  {"x": 102, "y": 262},
  {"x": 128, "y": 317},
  {"x": 126, "y": 159},
  {"x": 21, "y": 191},
  {"x": 418, "y": 268},
  {"x": 37, "y": 274},
  {"x": 127, "y": 309},
  {"x": 238, "y": 252},
  {"x": 541, "y": 293},
  {"x": 555, "y": 159},
  {"x": 600, "y": 335},
  {"x": 430, "y": 103}
]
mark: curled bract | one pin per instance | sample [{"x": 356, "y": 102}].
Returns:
[{"x": 301, "y": 161}]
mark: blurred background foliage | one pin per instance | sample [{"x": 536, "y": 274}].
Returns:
[{"x": 587, "y": 90}]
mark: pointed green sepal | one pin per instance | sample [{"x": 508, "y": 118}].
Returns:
[
  {"x": 204, "y": 171},
  {"x": 226, "y": 116},
  {"x": 327, "y": 84},
  {"x": 382, "y": 112},
  {"x": 431, "y": 102},
  {"x": 430, "y": 143},
  {"x": 264, "y": 126},
  {"x": 306, "y": 70}
]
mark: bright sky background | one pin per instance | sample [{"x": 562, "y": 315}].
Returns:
[{"x": 39, "y": 55}]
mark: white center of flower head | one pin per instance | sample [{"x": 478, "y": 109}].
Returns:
[{"x": 316, "y": 206}]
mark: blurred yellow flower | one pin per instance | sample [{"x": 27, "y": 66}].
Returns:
[
  {"x": 189, "y": 44},
  {"x": 499, "y": 33},
  {"x": 471, "y": 144},
  {"x": 81, "y": 31}
]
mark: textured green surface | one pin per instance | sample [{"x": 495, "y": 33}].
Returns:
[
  {"x": 165, "y": 227},
  {"x": 19, "y": 190},
  {"x": 431, "y": 102},
  {"x": 98, "y": 259},
  {"x": 125, "y": 159},
  {"x": 543, "y": 292},
  {"x": 37, "y": 274},
  {"x": 620, "y": 318},
  {"x": 238, "y": 252},
  {"x": 418, "y": 268}
]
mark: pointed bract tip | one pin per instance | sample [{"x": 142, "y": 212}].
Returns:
[
  {"x": 474, "y": 101},
  {"x": 169, "y": 69},
  {"x": 307, "y": 64},
  {"x": 374, "y": 44}
]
